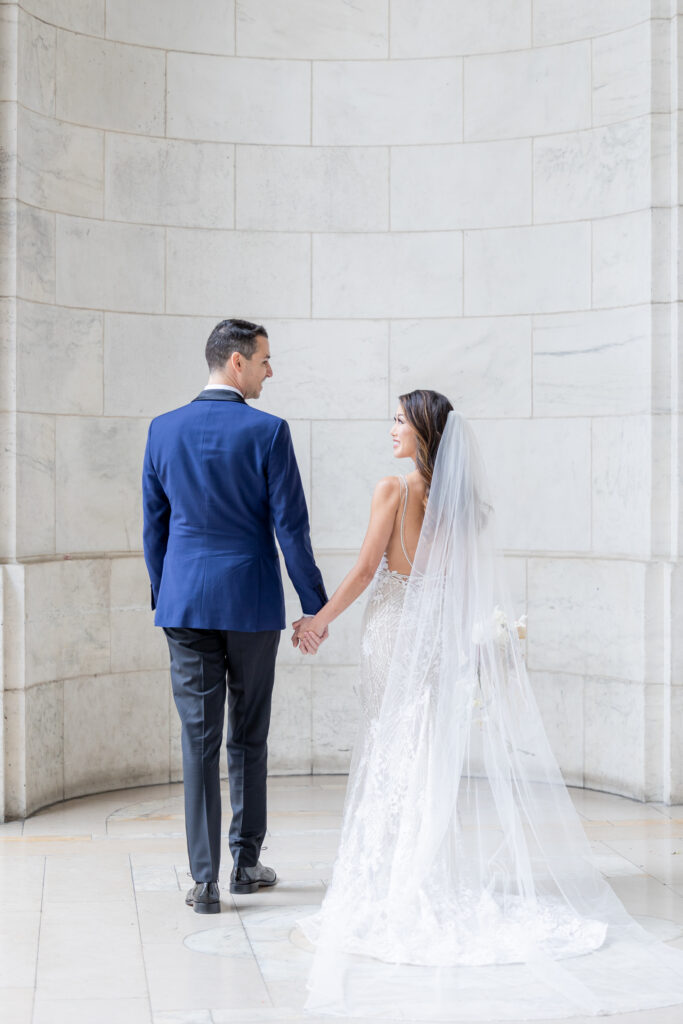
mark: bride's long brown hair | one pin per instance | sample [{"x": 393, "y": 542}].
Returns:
[{"x": 427, "y": 412}]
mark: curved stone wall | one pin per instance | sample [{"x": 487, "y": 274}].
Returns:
[{"x": 440, "y": 194}]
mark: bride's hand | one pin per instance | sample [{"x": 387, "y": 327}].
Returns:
[{"x": 311, "y": 637}]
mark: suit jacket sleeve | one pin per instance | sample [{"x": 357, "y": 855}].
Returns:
[
  {"x": 290, "y": 518},
  {"x": 156, "y": 516}
]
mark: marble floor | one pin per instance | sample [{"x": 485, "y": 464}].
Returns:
[{"x": 94, "y": 929}]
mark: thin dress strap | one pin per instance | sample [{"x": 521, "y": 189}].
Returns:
[{"x": 404, "y": 483}]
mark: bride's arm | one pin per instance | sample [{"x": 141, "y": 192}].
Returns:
[{"x": 385, "y": 501}]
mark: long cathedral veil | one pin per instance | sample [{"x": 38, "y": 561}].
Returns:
[{"x": 464, "y": 887}]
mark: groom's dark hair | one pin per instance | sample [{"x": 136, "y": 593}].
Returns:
[{"x": 232, "y": 336}]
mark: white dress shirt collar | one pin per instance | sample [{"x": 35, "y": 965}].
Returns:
[{"x": 222, "y": 387}]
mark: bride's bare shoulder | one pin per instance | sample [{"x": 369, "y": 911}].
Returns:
[{"x": 387, "y": 490}]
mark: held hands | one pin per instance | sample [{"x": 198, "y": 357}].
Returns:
[{"x": 309, "y": 633}]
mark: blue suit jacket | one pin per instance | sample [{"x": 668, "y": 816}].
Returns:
[{"x": 219, "y": 476}]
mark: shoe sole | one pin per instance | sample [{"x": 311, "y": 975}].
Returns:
[
  {"x": 242, "y": 888},
  {"x": 205, "y": 908}
]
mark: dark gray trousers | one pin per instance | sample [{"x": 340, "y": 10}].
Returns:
[{"x": 203, "y": 663}]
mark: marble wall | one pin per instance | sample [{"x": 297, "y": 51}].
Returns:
[{"x": 475, "y": 197}]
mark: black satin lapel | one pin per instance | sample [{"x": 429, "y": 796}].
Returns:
[{"x": 219, "y": 396}]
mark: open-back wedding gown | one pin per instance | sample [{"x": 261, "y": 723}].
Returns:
[{"x": 464, "y": 887}]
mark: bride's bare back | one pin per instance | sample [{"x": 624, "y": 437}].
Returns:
[{"x": 408, "y": 519}]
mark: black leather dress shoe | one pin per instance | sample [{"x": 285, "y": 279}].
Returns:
[
  {"x": 251, "y": 879},
  {"x": 205, "y": 898}
]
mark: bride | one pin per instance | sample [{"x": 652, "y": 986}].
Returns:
[{"x": 464, "y": 887}]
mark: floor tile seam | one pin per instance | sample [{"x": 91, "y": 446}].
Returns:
[
  {"x": 40, "y": 930},
  {"x": 140, "y": 939},
  {"x": 253, "y": 951}
]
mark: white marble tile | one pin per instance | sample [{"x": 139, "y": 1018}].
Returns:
[
  {"x": 8, "y": 154},
  {"x": 230, "y": 941},
  {"x": 110, "y": 85},
  {"x": 8, "y": 489},
  {"x": 307, "y": 29},
  {"x": 239, "y": 100},
  {"x": 541, "y": 483},
  {"x": 182, "y": 979},
  {"x": 96, "y": 757},
  {"x": 98, "y": 492},
  {"x": 622, "y": 260},
  {"x": 482, "y": 364},
  {"x": 35, "y": 743},
  {"x": 657, "y": 856},
  {"x": 9, "y": 50},
  {"x": 289, "y": 740},
  {"x": 622, "y": 73},
  {"x": 19, "y": 931},
  {"x": 166, "y": 181},
  {"x": 74, "y": 383},
  {"x": 595, "y": 173},
  {"x": 21, "y": 880},
  {"x": 586, "y": 617},
  {"x": 316, "y": 369},
  {"x": 13, "y": 583},
  {"x": 166, "y": 920},
  {"x": 35, "y": 469},
  {"x": 321, "y": 188},
  {"x": 67, "y": 619},
  {"x": 78, "y": 15},
  {"x": 345, "y": 472},
  {"x": 621, "y": 470},
  {"x": 407, "y": 274},
  {"x": 85, "y": 1011},
  {"x": 301, "y": 441},
  {"x": 555, "y": 23},
  {"x": 211, "y": 271},
  {"x": 374, "y": 103},
  {"x": 514, "y": 568},
  {"x": 175, "y": 752},
  {"x": 611, "y": 864},
  {"x": 530, "y": 92},
  {"x": 186, "y": 1017},
  {"x": 95, "y": 268},
  {"x": 148, "y": 343},
  {"x": 444, "y": 28},
  {"x": 36, "y": 63},
  {"x": 182, "y": 25},
  {"x": 151, "y": 878},
  {"x": 658, "y": 700},
  {"x": 36, "y": 254},
  {"x": 335, "y": 717},
  {"x": 8, "y": 369},
  {"x": 75, "y": 952},
  {"x": 18, "y": 1004},
  {"x": 677, "y": 623},
  {"x": 343, "y": 645},
  {"x": 592, "y": 364},
  {"x": 641, "y": 894},
  {"x": 477, "y": 185},
  {"x": 8, "y": 252},
  {"x": 560, "y": 701},
  {"x": 676, "y": 784},
  {"x": 136, "y": 644},
  {"x": 539, "y": 269},
  {"x": 60, "y": 165},
  {"x": 103, "y": 876}
]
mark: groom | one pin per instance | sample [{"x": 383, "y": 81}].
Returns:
[{"x": 218, "y": 476}]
